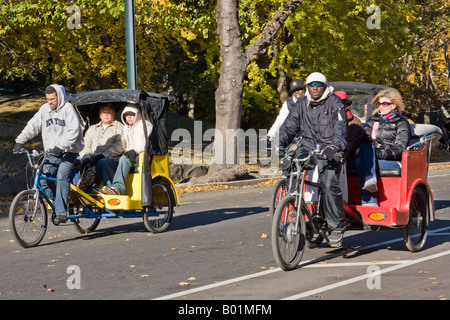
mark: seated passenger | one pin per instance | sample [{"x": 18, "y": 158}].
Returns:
[
  {"x": 102, "y": 140},
  {"x": 353, "y": 130},
  {"x": 384, "y": 137},
  {"x": 134, "y": 139}
]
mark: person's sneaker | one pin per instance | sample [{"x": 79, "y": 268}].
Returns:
[
  {"x": 371, "y": 185},
  {"x": 96, "y": 190},
  {"x": 87, "y": 179},
  {"x": 60, "y": 218},
  {"x": 110, "y": 190},
  {"x": 335, "y": 238}
]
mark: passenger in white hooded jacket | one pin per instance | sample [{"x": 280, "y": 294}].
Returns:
[
  {"x": 134, "y": 141},
  {"x": 62, "y": 135}
]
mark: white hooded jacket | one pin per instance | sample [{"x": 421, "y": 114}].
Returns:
[
  {"x": 134, "y": 137},
  {"x": 59, "y": 127}
]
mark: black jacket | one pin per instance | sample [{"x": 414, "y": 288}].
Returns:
[
  {"x": 392, "y": 135},
  {"x": 316, "y": 122}
]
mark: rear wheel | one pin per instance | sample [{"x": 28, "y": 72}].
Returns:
[
  {"x": 416, "y": 231},
  {"x": 158, "y": 217},
  {"x": 28, "y": 218},
  {"x": 288, "y": 242}
]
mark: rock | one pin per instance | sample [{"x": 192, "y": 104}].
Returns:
[{"x": 223, "y": 175}]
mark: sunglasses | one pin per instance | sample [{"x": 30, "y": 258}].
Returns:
[
  {"x": 317, "y": 84},
  {"x": 384, "y": 104}
]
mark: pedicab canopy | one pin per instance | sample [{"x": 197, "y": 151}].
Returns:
[
  {"x": 361, "y": 94},
  {"x": 152, "y": 105}
]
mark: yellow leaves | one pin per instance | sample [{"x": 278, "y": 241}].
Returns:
[
  {"x": 185, "y": 283},
  {"x": 187, "y": 34}
]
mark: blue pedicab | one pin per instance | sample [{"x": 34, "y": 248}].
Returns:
[{"x": 150, "y": 193}]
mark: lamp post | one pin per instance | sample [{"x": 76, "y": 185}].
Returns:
[{"x": 130, "y": 39}]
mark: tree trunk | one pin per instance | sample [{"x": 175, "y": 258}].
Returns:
[
  {"x": 228, "y": 95},
  {"x": 235, "y": 59}
]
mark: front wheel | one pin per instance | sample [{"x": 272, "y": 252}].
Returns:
[
  {"x": 416, "y": 231},
  {"x": 288, "y": 241},
  {"x": 158, "y": 217},
  {"x": 28, "y": 218},
  {"x": 279, "y": 192}
]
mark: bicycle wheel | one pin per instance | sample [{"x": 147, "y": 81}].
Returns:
[
  {"x": 85, "y": 225},
  {"x": 28, "y": 218},
  {"x": 157, "y": 218},
  {"x": 279, "y": 192},
  {"x": 288, "y": 243},
  {"x": 416, "y": 231}
]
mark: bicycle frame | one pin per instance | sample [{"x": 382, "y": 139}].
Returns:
[{"x": 298, "y": 180}]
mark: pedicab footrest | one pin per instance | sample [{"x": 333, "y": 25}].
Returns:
[{"x": 382, "y": 216}]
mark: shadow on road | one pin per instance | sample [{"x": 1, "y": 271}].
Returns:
[{"x": 364, "y": 243}]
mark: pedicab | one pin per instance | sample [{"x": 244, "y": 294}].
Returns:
[
  {"x": 405, "y": 200},
  {"x": 150, "y": 193}
]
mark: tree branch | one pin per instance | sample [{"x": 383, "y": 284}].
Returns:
[{"x": 266, "y": 37}]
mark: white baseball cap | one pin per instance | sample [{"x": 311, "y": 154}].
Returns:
[{"x": 316, "y": 77}]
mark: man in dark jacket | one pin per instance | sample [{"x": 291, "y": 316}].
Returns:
[{"x": 319, "y": 119}]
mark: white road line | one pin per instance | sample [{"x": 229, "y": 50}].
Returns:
[
  {"x": 355, "y": 264},
  {"x": 365, "y": 276},
  {"x": 218, "y": 284},
  {"x": 307, "y": 264}
]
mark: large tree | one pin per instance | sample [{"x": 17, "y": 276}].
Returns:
[{"x": 235, "y": 60}]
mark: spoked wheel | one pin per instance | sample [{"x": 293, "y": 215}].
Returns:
[
  {"x": 82, "y": 225},
  {"x": 28, "y": 218},
  {"x": 279, "y": 192},
  {"x": 288, "y": 242},
  {"x": 157, "y": 218},
  {"x": 313, "y": 239},
  {"x": 416, "y": 231},
  {"x": 85, "y": 225}
]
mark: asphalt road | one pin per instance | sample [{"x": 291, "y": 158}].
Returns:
[{"x": 218, "y": 248}]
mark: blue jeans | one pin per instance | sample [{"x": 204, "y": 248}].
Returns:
[
  {"x": 76, "y": 173},
  {"x": 60, "y": 168},
  {"x": 366, "y": 165},
  {"x": 122, "y": 168}
]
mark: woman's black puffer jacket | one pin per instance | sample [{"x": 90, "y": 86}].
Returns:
[{"x": 392, "y": 136}]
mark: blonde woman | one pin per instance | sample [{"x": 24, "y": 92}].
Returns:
[{"x": 385, "y": 135}]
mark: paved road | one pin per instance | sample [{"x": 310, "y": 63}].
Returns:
[{"x": 218, "y": 247}]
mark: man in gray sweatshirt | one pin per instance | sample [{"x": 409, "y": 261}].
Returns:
[{"x": 62, "y": 135}]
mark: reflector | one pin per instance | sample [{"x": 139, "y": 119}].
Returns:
[
  {"x": 113, "y": 202},
  {"x": 377, "y": 216}
]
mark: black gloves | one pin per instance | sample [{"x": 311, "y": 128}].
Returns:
[
  {"x": 383, "y": 153},
  {"x": 329, "y": 151},
  {"x": 18, "y": 148},
  {"x": 130, "y": 154},
  {"x": 57, "y": 152}
]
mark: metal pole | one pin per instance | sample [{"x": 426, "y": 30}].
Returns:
[{"x": 130, "y": 38}]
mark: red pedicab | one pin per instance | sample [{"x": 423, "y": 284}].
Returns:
[{"x": 405, "y": 202}]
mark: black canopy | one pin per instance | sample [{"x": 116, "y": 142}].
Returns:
[
  {"x": 152, "y": 105},
  {"x": 360, "y": 93}
]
